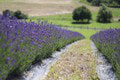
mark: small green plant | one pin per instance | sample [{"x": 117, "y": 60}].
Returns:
[
  {"x": 19, "y": 15},
  {"x": 82, "y": 13},
  {"x": 104, "y": 15}
]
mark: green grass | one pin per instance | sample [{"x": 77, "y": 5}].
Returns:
[
  {"x": 84, "y": 1},
  {"x": 66, "y": 20},
  {"x": 115, "y": 12},
  {"x": 86, "y": 32},
  {"x": 1, "y": 0}
]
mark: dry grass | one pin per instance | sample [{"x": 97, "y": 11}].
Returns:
[
  {"x": 42, "y": 1},
  {"x": 42, "y": 7},
  {"x": 77, "y": 63},
  {"x": 38, "y": 7}
]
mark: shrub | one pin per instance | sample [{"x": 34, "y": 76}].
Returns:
[
  {"x": 19, "y": 15},
  {"x": 21, "y": 43},
  {"x": 82, "y": 13},
  {"x": 104, "y": 15},
  {"x": 108, "y": 42}
]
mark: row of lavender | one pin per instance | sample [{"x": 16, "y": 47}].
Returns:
[
  {"x": 22, "y": 43},
  {"x": 108, "y": 42}
]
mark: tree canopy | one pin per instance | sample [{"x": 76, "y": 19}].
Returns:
[
  {"x": 104, "y": 15},
  {"x": 82, "y": 13}
]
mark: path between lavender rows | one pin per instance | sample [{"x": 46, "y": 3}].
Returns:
[{"x": 78, "y": 61}]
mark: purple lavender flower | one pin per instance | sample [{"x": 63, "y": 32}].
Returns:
[
  {"x": 108, "y": 42},
  {"x": 21, "y": 42},
  {"x": 7, "y": 60}
]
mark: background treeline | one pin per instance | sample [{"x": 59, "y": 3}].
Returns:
[{"x": 112, "y": 3}]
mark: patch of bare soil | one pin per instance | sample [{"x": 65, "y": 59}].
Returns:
[{"x": 77, "y": 63}]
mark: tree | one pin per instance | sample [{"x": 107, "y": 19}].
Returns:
[
  {"x": 104, "y": 15},
  {"x": 82, "y": 13}
]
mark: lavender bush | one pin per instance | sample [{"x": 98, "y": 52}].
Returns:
[
  {"x": 108, "y": 42},
  {"x": 22, "y": 43}
]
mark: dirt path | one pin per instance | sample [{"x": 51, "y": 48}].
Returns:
[{"x": 77, "y": 63}]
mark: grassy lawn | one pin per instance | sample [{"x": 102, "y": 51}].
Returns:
[
  {"x": 66, "y": 20},
  {"x": 84, "y": 1}
]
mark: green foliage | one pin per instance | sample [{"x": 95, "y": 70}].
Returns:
[
  {"x": 104, "y": 15},
  {"x": 82, "y": 13}
]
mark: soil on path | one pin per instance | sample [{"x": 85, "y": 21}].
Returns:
[{"x": 77, "y": 63}]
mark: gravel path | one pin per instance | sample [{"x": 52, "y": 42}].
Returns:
[{"x": 77, "y": 63}]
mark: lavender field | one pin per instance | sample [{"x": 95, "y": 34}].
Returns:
[
  {"x": 59, "y": 40},
  {"x": 108, "y": 42},
  {"x": 24, "y": 43}
]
